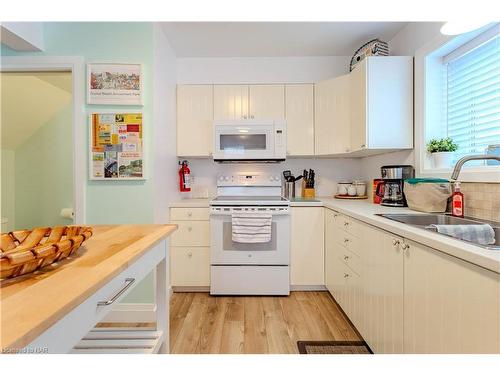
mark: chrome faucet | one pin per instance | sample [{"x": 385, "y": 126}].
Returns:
[{"x": 463, "y": 160}]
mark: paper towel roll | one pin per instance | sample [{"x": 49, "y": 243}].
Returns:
[{"x": 67, "y": 213}]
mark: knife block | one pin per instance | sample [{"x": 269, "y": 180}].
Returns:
[{"x": 309, "y": 193}]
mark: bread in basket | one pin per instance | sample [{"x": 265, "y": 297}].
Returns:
[{"x": 25, "y": 251}]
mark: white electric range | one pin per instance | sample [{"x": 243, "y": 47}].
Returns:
[{"x": 249, "y": 268}]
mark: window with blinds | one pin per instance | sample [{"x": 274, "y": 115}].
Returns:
[{"x": 473, "y": 98}]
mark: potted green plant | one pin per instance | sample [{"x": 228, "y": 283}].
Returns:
[{"x": 442, "y": 151}]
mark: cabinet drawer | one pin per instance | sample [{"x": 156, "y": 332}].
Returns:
[
  {"x": 190, "y": 266},
  {"x": 352, "y": 260},
  {"x": 191, "y": 233},
  {"x": 349, "y": 241},
  {"x": 351, "y": 225},
  {"x": 86, "y": 315},
  {"x": 189, "y": 214}
]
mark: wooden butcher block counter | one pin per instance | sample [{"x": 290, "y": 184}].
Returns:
[{"x": 68, "y": 295}]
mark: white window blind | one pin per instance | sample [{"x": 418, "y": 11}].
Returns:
[{"x": 473, "y": 105}]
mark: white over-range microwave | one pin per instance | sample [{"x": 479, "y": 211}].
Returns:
[{"x": 249, "y": 140}]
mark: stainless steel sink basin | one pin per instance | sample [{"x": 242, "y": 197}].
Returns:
[{"x": 425, "y": 220}]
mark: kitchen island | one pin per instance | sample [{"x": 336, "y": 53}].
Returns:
[{"x": 55, "y": 309}]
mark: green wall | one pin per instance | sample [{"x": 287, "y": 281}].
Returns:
[
  {"x": 44, "y": 173},
  {"x": 112, "y": 202},
  {"x": 7, "y": 209}
]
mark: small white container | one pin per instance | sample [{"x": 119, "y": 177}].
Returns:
[
  {"x": 342, "y": 188},
  {"x": 360, "y": 188},
  {"x": 442, "y": 160},
  {"x": 352, "y": 191}
]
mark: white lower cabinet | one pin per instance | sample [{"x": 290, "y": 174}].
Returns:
[
  {"x": 307, "y": 255},
  {"x": 450, "y": 306},
  {"x": 406, "y": 297},
  {"x": 190, "y": 248},
  {"x": 382, "y": 290},
  {"x": 191, "y": 266}
]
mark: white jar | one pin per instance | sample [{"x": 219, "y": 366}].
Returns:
[
  {"x": 342, "y": 188},
  {"x": 360, "y": 188},
  {"x": 352, "y": 191}
]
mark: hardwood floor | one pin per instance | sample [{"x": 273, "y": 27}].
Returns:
[{"x": 200, "y": 323}]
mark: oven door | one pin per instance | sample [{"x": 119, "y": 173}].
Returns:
[
  {"x": 244, "y": 140},
  {"x": 223, "y": 251}
]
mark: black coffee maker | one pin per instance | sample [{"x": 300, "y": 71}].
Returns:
[{"x": 391, "y": 188}]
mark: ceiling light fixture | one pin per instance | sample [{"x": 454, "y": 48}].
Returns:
[{"x": 461, "y": 27}]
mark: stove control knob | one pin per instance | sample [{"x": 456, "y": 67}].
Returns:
[
  {"x": 221, "y": 178},
  {"x": 276, "y": 178},
  {"x": 271, "y": 178},
  {"x": 226, "y": 178}
]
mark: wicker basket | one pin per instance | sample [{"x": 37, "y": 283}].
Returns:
[{"x": 25, "y": 251}]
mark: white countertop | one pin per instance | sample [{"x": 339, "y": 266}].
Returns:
[
  {"x": 192, "y": 203},
  {"x": 365, "y": 211}
]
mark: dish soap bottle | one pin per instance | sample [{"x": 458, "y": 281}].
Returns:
[{"x": 457, "y": 201}]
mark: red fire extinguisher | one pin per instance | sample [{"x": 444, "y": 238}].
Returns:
[{"x": 184, "y": 177}]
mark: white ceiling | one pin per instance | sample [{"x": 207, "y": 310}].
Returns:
[
  {"x": 270, "y": 39},
  {"x": 29, "y": 100}
]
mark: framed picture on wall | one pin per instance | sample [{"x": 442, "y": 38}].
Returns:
[
  {"x": 116, "y": 146},
  {"x": 114, "y": 84}
]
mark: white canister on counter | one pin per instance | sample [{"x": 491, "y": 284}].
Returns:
[
  {"x": 342, "y": 188},
  {"x": 360, "y": 188},
  {"x": 352, "y": 191}
]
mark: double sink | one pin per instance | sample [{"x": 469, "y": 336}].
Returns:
[{"x": 424, "y": 221}]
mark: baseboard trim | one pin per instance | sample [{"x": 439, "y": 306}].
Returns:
[
  {"x": 184, "y": 289},
  {"x": 307, "y": 288},
  {"x": 293, "y": 288},
  {"x": 132, "y": 313}
]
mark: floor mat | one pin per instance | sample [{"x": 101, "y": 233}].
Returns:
[{"x": 333, "y": 347}]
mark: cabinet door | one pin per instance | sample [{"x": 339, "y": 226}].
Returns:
[
  {"x": 383, "y": 291},
  {"x": 190, "y": 266},
  {"x": 358, "y": 93},
  {"x": 299, "y": 112},
  {"x": 267, "y": 102},
  {"x": 194, "y": 116},
  {"x": 307, "y": 246},
  {"x": 331, "y": 250},
  {"x": 450, "y": 306},
  {"x": 230, "y": 102},
  {"x": 389, "y": 102},
  {"x": 332, "y": 134}
]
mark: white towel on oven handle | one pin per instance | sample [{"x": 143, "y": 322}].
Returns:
[{"x": 251, "y": 227}]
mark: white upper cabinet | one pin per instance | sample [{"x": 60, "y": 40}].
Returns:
[
  {"x": 381, "y": 95},
  {"x": 231, "y": 102},
  {"x": 299, "y": 113},
  {"x": 332, "y": 116},
  {"x": 194, "y": 117},
  {"x": 267, "y": 102}
]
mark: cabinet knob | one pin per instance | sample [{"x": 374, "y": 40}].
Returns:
[
  {"x": 190, "y": 254},
  {"x": 245, "y": 117},
  {"x": 405, "y": 246},
  {"x": 335, "y": 215},
  {"x": 346, "y": 240},
  {"x": 190, "y": 229},
  {"x": 346, "y": 257},
  {"x": 396, "y": 242},
  {"x": 346, "y": 223},
  {"x": 346, "y": 275},
  {"x": 190, "y": 214},
  {"x": 363, "y": 146},
  {"x": 251, "y": 116}
]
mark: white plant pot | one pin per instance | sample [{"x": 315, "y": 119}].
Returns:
[{"x": 442, "y": 160}]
